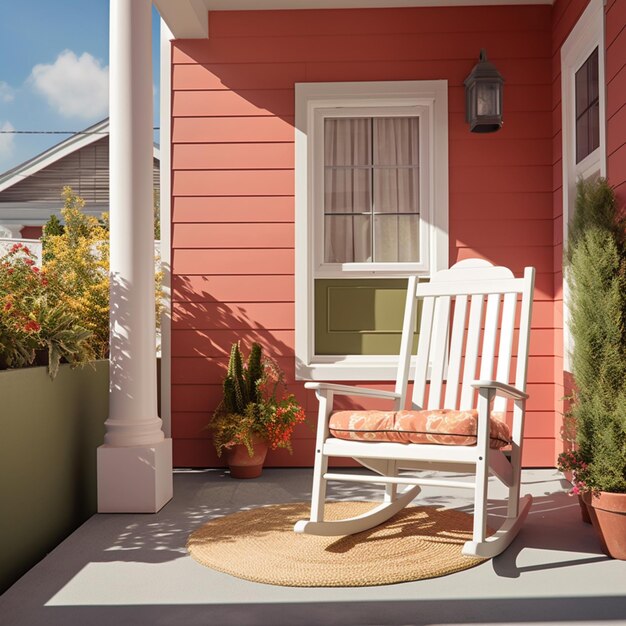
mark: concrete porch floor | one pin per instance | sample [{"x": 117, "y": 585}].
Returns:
[{"x": 133, "y": 569}]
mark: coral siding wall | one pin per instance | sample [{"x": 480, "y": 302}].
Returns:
[
  {"x": 565, "y": 14},
  {"x": 233, "y": 189},
  {"x": 616, "y": 95}
]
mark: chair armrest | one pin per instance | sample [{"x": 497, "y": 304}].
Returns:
[
  {"x": 501, "y": 389},
  {"x": 348, "y": 390}
]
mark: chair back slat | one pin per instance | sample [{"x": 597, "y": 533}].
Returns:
[
  {"x": 423, "y": 353},
  {"x": 456, "y": 350},
  {"x": 524, "y": 328},
  {"x": 507, "y": 327},
  {"x": 439, "y": 351},
  {"x": 471, "y": 351},
  {"x": 492, "y": 318},
  {"x": 406, "y": 343}
]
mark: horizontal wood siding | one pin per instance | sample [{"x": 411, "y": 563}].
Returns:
[
  {"x": 233, "y": 182},
  {"x": 616, "y": 96}
]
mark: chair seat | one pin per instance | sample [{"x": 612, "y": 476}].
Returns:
[{"x": 443, "y": 426}]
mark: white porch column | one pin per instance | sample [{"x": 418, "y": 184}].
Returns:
[{"x": 135, "y": 462}]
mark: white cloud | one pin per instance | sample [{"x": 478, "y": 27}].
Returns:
[
  {"x": 7, "y": 93},
  {"x": 7, "y": 141},
  {"x": 74, "y": 86}
]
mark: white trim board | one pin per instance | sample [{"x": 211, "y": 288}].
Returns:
[
  {"x": 587, "y": 34},
  {"x": 166, "y": 229}
]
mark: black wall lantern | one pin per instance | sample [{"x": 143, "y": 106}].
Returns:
[{"x": 483, "y": 97}]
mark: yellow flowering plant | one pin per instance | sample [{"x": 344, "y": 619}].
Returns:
[
  {"x": 79, "y": 256},
  {"x": 35, "y": 327}
]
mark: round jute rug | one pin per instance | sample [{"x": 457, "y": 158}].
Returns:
[{"x": 260, "y": 545}]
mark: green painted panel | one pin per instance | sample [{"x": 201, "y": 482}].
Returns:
[
  {"x": 359, "y": 316},
  {"x": 51, "y": 430},
  {"x": 50, "y": 433}
]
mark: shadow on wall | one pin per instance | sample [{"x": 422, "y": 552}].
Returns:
[
  {"x": 203, "y": 331},
  {"x": 207, "y": 327}
]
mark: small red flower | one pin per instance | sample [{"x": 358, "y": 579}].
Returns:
[
  {"x": 7, "y": 306},
  {"x": 32, "y": 326},
  {"x": 29, "y": 261},
  {"x": 36, "y": 270}
]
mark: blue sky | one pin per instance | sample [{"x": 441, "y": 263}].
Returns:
[{"x": 54, "y": 58}]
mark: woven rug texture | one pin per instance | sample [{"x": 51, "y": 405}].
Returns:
[{"x": 260, "y": 545}]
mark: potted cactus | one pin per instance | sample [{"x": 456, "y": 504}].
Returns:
[{"x": 255, "y": 412}]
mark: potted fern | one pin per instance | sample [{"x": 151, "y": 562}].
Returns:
[
  {"x": 596, "y": 261},
  {"x": 255, "y": 412}
]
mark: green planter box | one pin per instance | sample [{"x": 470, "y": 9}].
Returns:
[{"x": 50, "y": 431}]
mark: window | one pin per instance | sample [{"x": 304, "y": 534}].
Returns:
[
  {"x": 587, "y": 107},
  {"x": 583, "y": 121},
  {"x": 371, "y": 209}
]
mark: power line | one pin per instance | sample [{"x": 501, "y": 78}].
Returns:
[{"x": 59, "y": 132}]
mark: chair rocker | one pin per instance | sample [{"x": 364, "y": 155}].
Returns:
[{"x": 470, "y": 307}]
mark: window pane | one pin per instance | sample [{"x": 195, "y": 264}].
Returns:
[
  {"x": 347, "y": 239},
  {"x": 594, "y": 127},
  {"x": 592, "y": 63},
  {"x": 348, "y": 141},
  {"x": 396, "y": 190},
  {"x": 582, "y": 137},
  {"x": 347, "y": 190},
  {"x": 582, "y": 89},
  {"x": 396, "y": 238},
  {"x": 396, "y": 141}
]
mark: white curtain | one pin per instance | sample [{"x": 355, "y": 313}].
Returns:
[{"x": 371, "y": 169}]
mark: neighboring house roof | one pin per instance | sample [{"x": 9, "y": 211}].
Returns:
[{"x": 31, "y": 191}]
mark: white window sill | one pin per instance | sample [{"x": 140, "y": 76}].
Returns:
[{"x": 350, "y": 368}]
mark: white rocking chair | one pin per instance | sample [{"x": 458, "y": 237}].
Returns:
[{"x": 441, "y": 341}]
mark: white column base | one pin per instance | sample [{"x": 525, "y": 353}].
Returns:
[{"x": 135, "y": 479}]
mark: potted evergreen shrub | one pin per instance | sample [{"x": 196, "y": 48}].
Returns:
[
  {"x": 596, "y": 264},
  {"x": 255, "y": 413}
]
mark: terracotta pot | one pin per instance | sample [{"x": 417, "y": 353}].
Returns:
[
  {"x": 584, "y": 511},
  {"x": 608, "y": 516},
  {"x": 241, "y": 464}
]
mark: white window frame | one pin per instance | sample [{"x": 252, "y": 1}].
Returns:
[
  {"x": 585, "y": 37},
  {"x": 314, "y": 102}
]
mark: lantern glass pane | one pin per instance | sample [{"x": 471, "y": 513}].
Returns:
[{"x": 487, "y": 99}]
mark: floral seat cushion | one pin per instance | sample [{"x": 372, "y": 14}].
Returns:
[{"x": 443, "y": 426}]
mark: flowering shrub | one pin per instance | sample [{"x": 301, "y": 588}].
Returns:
[
  {"x": 79, "y": 257},
  {"x": 78, "y": 254},
  {"x": 35, "y": 327},
  {"x": 255, "y": 402},
  {"x": 61, "y": 312},
  {"x": 572, "y": 461}
]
